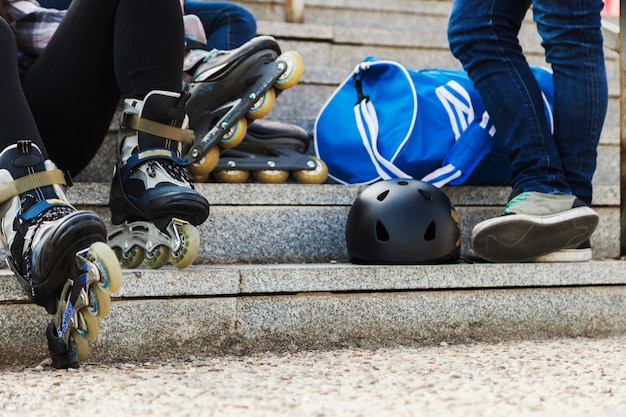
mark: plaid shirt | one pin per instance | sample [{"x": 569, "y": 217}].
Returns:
[{"x": 34, "y": 25}]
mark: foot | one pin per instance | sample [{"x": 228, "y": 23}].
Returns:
[{"x": 533, "y": 225}]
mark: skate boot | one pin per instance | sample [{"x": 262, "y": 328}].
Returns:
[
  {"x": 154, "y": 207},
  {"x": 271, "y": 151},
  {"x": 58, "y": 253},
  {"x": 228, "y": 88}
]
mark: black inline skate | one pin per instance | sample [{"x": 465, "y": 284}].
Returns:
[
  {"x": 154, "y": 207},
  {"x": 271, "y": 151},
  {"x": 58, "y": 253},
  {"x": 228, "y": 88}
]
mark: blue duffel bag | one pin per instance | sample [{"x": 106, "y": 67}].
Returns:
[{"x": 387, "y": 121}]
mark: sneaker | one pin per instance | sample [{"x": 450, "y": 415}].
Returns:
[
  {"x": 581, "y": 253},
  {"x": 533, "y": 225}
]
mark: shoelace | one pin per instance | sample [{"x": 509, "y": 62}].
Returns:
[
  {"x": 174, "y": 170},
  {"x": 515, "y": 200},
  {"x": 52, "y": 214}
]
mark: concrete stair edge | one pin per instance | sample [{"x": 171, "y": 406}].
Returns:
[{"x": 247, "y": 309}]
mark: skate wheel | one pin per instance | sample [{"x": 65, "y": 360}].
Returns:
[
  {"x": 295, "y": 69},
  {"x": 312, "y": 176},
  {"x": 263, "y": 106},
  {"x": 107, "y": 262},
  {"x": 99, "y": 301},
  {"x": 158, "y": 257},
  {"x": 271, "y": 176},
  {"x": 232, "y": 176},
  {"x": 88, "y": 326},
  {"x": 235, "y": 135},
  {"x": 78, "y": 347},
  {"x": 189, "y": 249},
  {"x": 203, "y": 167},
  {"x": 131, "y": 259}
]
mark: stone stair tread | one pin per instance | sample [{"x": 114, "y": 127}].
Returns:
[
  {"x": 218, "y": 309},
  {"x": 291, "y": 278},
  {"x": 293, "y": 194}
]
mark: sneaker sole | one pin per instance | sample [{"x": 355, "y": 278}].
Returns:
[
  {"x": 521, "y": 238},
  {"x": 567, "y": 255}
]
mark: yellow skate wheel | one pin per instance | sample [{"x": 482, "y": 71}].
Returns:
[
  {"x": 295, "y": 69},
  {"x": 235, "y": 134},
  {"x": 107, "y": 262},
  {"x": 158, "y": 257},
  {"x": 203, "y": 167},
  {"x": 271, "y": 176},
  {"x": 99, "y": 301},
  {"x": 78, "y": 347},
  {"x": 263, "y": 106},
  {"x": 131, "y": 259},
  {"x": 232, "y": 176},
  {"x": 312, "y": 176},
  {"x": 189, "y": 249},
  {"x": 88, "y": 326}
]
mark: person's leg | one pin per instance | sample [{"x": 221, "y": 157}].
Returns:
[
  {"x": 542, "y": 216},
  {"x": 49, "y": 244},
  {"x": 227, "y": 25},
  {"x": 572, "y": 39},
  {"x": 102, "y": 51},
  {"x": 483, "y": 36},
  {"x": 15, "y": 116}
]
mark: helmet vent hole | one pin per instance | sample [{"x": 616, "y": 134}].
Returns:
[
  {"x": 431, "y": 232},
  {"x": 382, "y": 195},
  {"x": 426, "y": 195},
  {"x": 381, "y": 232},
  {"x": 403, "y": 183}
]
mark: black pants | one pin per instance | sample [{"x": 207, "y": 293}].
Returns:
[{"x": 103, "y": 50}]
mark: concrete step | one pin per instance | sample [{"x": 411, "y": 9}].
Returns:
[
  {"x": 217, "y": 309},
  {"x": 292, "y": 223},
  {"x": 273, "y": 273}
]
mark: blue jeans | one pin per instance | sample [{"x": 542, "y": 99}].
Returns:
[
  {"x": 483, "y": 36},
  {"x": 227, "y": 25}
]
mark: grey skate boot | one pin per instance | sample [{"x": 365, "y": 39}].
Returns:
[
  {"x": 154, "y": 206},
  {"x": 533, "y": 225},
  {"x": 58, "y": 253}
]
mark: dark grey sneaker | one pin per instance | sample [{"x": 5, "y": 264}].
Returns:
[{"x": 533, "y": 225}]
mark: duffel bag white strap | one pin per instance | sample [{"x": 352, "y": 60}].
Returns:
[{"x": 367, "y": 124}]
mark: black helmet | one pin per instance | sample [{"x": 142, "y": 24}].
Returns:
[{"x": 402, "y": 221}]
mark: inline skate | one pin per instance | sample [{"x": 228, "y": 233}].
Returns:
[
  {"x": 154, "y": 207},
  {"x": 228, "y": 88},
  {"x": 58, "y": 253},
  {"x": 271, "y": 151}
]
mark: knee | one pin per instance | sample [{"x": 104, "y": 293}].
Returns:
[
  {"x": 239, "y": 13},
  {"x": 459, "y": 39},
  {"x": 464, "y": 35}
]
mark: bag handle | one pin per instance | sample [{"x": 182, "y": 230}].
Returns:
[{"x": 367, "y": 124}]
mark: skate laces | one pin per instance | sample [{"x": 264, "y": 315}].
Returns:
[
  {"x": 40, "y": 214},
  {"x": 173, "y": 169}
]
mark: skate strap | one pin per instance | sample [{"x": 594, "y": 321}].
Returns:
[
  {"x": 162, "y": 130},
  {"x": 31, "y": 182},
  {"x": 147, "y": 155}
]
